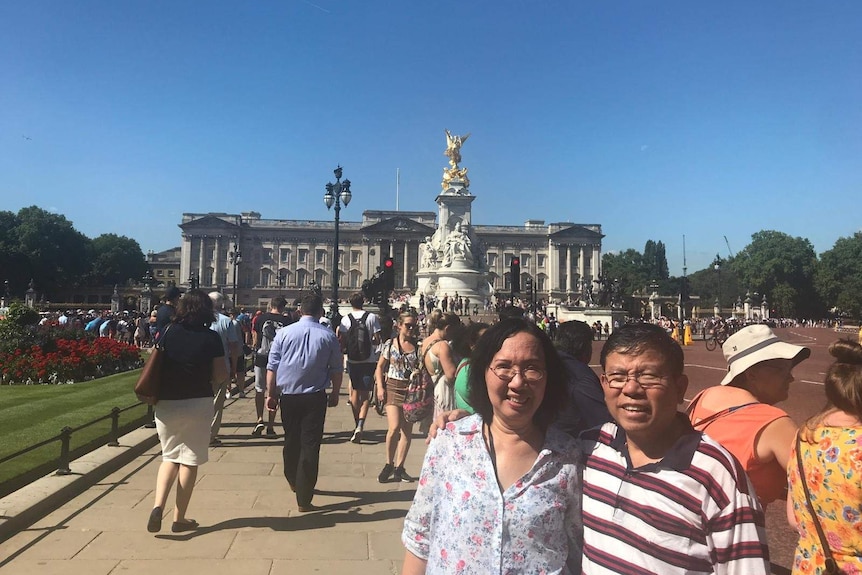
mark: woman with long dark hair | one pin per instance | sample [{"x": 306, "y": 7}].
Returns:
[{"x": 192, "y": 369}]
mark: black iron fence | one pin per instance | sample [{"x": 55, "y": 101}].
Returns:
[{"x": 64, "y": 438}]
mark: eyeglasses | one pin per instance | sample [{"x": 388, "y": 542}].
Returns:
[
  {"x": 507, "y": 373},
  {"x": 645, "y": 379}
]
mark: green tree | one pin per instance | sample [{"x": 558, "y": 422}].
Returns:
[
  {"x": 839, "y": 276},
  {"x": 56, "y": 253},
  {"x": 115, "y": 259},
  {"x": 627, "y": 267},
  {"x": 782, "y": 268},
  {"x": 655, "y": 260}
]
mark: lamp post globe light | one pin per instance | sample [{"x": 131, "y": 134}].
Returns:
[
  {"x": 716, "y": 265},
  {"x": 336, "y": 194},
  {"x": 235, "y": 258}
]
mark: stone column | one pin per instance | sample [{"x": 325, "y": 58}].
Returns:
[
  {"x": 404, "y": 265},
  {"x": 568, "y": 269},
  {"x": 581, "y": 257},
  {"x": 215, "y": 262},
  {"x": 202, "y": 244},
  {"x": 597, "y": 262},
  {"x": 185, "y": 260}
]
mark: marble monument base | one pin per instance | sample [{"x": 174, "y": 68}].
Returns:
[{"x": 466, "y": 283}]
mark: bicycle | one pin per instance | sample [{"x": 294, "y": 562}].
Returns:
[{"x": 716, "y": 340}]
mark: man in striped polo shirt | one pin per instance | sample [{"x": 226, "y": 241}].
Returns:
[{"x": 660, "y": 497}]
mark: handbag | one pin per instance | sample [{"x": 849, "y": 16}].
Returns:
[
  {"x": 147, "y": 387},
  {"x": 419, "y": 399},
  {"x": 831, "y": 567}
]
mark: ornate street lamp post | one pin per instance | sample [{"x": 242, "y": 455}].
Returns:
[
  {"x": 336, "y": 194},
  {"x": 716, "y": 265},
  {"x": 147, "y": 292},
  {"x": 235, "y": 258}
]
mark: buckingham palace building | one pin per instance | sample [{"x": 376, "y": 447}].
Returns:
[{"x": 253, "y": 259}]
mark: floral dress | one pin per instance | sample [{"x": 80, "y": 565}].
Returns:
[
  {"x": 460, "y": 521},
  {"x": 833, "y": 472}
]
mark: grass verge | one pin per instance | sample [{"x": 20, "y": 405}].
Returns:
[{"x": 30, "y": 414}]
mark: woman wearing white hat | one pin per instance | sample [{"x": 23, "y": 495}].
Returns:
[{"x": 740, "y": 413}]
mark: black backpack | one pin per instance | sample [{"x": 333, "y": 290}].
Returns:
[
  {"x": 267, "y": 334},
  {"x": 358, "y": 339}
]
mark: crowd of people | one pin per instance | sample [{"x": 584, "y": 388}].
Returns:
[{"x": 539, "y": 463}]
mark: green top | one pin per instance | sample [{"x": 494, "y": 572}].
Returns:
[{"x": 461, "y": 377}]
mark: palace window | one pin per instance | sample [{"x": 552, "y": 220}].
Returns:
[
  {"x": 303, "y": 256},
  {"x": 320, "y": 257},
  {"x": 540, "y": 260}
]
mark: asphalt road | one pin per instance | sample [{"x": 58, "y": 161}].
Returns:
[{"x": 707, "y": 368}]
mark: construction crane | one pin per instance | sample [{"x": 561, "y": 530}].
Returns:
[{"x": 730, "y": 251}]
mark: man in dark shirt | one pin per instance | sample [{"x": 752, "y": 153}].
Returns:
[
  {"x": 586, "y": 407},
  {"x": 261, "y": 345},
  {"x": 167, "y": 310}
]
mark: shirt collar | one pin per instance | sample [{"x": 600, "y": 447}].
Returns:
[{"x": 678, "y": 457}]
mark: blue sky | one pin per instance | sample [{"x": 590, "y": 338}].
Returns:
[{"x": 657, "y": 120}]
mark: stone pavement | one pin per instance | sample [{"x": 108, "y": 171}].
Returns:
[{"x": 248, "y": 515}]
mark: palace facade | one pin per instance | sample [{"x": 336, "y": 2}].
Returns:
[{"x": 256, "y": 259}]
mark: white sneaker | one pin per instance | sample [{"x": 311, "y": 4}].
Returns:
[{"x": 357, "y": 436}]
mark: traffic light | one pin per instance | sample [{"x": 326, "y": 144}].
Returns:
[
  {"x": 389, "y": 274},
  {"x": 515, "y": 272}
]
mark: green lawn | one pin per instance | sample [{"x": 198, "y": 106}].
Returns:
[{"x": 30, "y": 414}]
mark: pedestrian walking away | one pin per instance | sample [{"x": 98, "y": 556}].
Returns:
[{"x": 304, "y": 360}]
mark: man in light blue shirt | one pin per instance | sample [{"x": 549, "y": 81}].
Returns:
[
  {"x": 305, "y": 358},
  {"x": 224, "y": 326}
]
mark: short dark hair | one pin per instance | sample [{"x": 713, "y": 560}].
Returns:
[
  {"x": 634, "y": 338},
  {"x": 195, "y": 309},
  {"x": 311, "y": 304},
  {"x": 357, "y": 300},
  {"x": 466, "y": 339},
  {"x": 487, "y": 347},
  {"x": 278, "y": 302},
  {"x": 575, "y": 337}
]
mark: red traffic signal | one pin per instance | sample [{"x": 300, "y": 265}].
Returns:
[
  {"x": 515, "y": 274},
  {"x": 389, "y": 274}
]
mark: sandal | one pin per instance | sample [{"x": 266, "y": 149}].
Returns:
[
  {"x": 154, "y": 524},
  {"x": 187, "y": 525}
]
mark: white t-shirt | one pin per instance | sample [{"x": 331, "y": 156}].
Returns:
[{"x": 373, "y": 325}]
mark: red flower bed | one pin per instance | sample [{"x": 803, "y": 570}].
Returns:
[{"x": 73, "y": 360}]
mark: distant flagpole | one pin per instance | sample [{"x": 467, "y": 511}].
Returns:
[{"x": 397, "y": 186}]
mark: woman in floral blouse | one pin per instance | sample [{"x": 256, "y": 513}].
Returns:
[
  {"x": 399, "y": 359},
  {"x": 831, "y": 449},
  {"x": 499, "y": 492}
]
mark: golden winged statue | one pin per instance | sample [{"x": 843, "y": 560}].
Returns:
[{"x": 453, "y": 147}]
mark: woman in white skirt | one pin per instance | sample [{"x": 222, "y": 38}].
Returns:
[{"x": 193, "y": 366}]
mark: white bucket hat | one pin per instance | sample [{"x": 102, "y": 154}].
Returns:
[{"x": 754, "y": 344}]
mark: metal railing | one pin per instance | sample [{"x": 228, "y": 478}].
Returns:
[{"x": 65, "y": 439}]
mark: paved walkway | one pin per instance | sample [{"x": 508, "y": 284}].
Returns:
[{"x": 249, "y": 520}]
